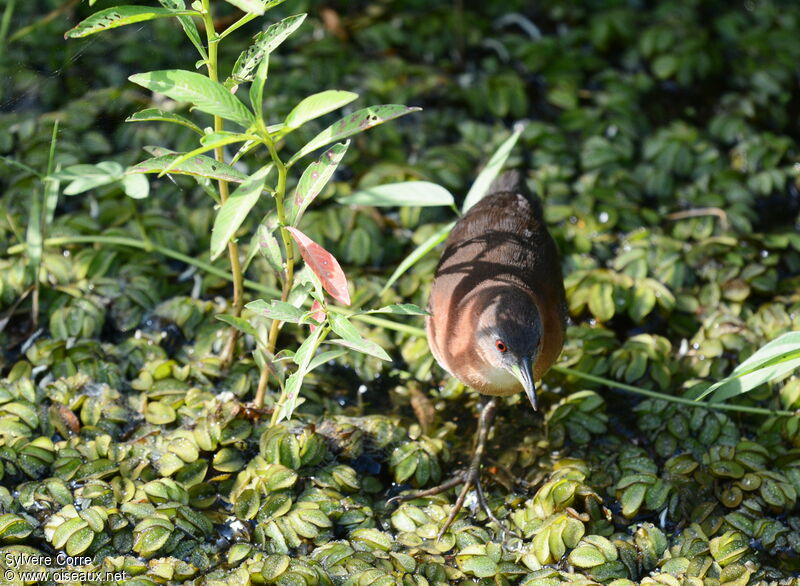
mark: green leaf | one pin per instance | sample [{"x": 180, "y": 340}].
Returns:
[
  {"x": 407, "y": 193},
  {"x": 306, "y": 351},
  {"x": 199, "y": 166},
  {"x": 601, "y": 301},
  {"x": 325, "y": 357},
  {"x": 150, "y": 534},
  {"x": 665, "y": 66},
  {"x": 772, "y": 361},
  {"x": 267, "y": 243},
  {"x": 353, "y": 124},
  {"x": 434, "y": 240},
  {"x": 249, "y": 6},
  {"x": 34, "y": 235},
  {"x": 317, "y": 105},
  {"x": 313, "y": 180},
  {"x": 490, "y": 171},
  {"x": 66, "y": 530},
  {"x": 235, "y": 209},
  {"x": 586, "y": 556},
  {"x": 257, "y": 88},
  {"x": 153, "y": 114},
  {"x": 120, "y": 16},
  {"x": 265, "y": 43},
  {"x": 135, "y": 186},
  {"x": 208, "y": 96},
  {"x": 21, "y": 166},
  {"x": 352, "y": 339},
  {"x": 239, "y": 323},
  {"x": 188, "y": 25},
  {"x": 279, "y": 310},
  {"x": 480, "y": 566},
  {"x": 290, "y": 398},
  {"x": 85, "y": 177},
  {"x": 401, "y": 309}
]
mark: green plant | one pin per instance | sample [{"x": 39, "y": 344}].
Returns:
[
  {"x": 42, "y": 209},
  {"x": 772, "y": 362},
  {"x": 279, "y": 232}
]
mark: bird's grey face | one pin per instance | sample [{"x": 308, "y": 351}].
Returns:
[{"x": 509, "y": 337}]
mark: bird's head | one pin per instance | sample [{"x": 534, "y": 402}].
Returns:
[{"x": 509, "y": 336}]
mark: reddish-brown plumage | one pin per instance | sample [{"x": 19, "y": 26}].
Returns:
[{"x": 499, "y": 277}]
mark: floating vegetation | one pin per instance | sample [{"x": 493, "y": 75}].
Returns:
[{"x": 663, "y": 142}]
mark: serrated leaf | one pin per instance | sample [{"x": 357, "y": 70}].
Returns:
[
  {"x": 199, "y": 166},
  {"x": 155, "y": 114},
  {"x": 206, "y": 95},
  {"x": 317, "y": 105},
  {"x": 264, "y": 43},
  {"x": 324, "y": 266},
  {"x": 353, "y": 124},
  {"x": 120, "y": 16},
  {"x": 490, "y": 171},
  {"x": 314, "y": 179},
  {"x": 235, "y": 209},
  {"x": 406, "y": 193}
]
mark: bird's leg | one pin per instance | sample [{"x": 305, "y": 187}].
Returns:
[{"x": 469, "y": 477}]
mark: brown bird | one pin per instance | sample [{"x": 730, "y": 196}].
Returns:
[{"x": 498, "y": 309}]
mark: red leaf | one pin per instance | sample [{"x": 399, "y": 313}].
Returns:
[
  {"x": 318, "y": 314},
  {"x": 324, "y": 265}
]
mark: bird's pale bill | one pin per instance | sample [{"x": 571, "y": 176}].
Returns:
[{"x": 524, "y": 374}]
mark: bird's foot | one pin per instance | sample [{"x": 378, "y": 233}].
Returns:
[{"x": 469, "y": 478}]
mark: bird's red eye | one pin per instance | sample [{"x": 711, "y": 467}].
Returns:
[{"x": 500, "y": 346}]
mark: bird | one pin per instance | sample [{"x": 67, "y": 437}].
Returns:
[{"x": 497, "y": 310}]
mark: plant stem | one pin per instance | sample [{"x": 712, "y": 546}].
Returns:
[
  {"x": 233, "y": 249},
  {"x": 282, "y": 401},
  {"x": 263, "y": 379},
  {"x": 288, "y": 280}
]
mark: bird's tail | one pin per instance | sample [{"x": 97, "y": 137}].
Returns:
[
  {"x": 508, "y": 181},
  {"x": 513, "y": 181}
]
